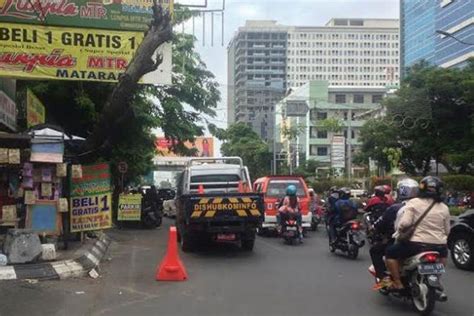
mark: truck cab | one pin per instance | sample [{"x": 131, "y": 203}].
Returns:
[
  {"x": 273, "y": 189},
  {"x": 215, "y": 203}
]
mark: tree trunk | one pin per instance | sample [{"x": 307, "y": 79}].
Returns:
[{"x": 117, "y": 107}]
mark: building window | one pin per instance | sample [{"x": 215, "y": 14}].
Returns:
[
  {"x": 345, "y": 116},
  {"x": 340, "y": 98},
  {"x": 322, "y": 151},
  {"x": 376, "y": 98},
  {"x": 358, "y": 98},
  {"x": 322, "y": 134}
]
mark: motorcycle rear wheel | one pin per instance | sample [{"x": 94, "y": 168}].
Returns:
[
  {"x": 353, "y": 252},
  {"x": 424, "y": 301}
]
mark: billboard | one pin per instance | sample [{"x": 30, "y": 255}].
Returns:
[
  {"x": 7, "y": 103},
  {"x": 204, "y": 146},
  {"x": 35, "y": 112},
  {"x": 46, "y": 52},
  {"x": 103, "y": 14},
  {"x": 91, "y": 199},
  {"x": 338, "y": 152}
]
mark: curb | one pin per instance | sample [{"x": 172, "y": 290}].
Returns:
[{"x": 59, "y": 270}]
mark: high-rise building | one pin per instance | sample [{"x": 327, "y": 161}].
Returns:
[
  {"x": 419, "y": 21},
  {"x": 345, "y": 52},
  {"x": 266, "y": 60},
  {"x": 256, "y": 74}
]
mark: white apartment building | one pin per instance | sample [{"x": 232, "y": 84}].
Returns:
[{"x": 345, "y": 52}]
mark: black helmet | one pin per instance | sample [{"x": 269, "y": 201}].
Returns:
[
  {"x": 379, "y": 191},
  {"x": 344, "y": 193},
  {"x": 431, "y": 187}
]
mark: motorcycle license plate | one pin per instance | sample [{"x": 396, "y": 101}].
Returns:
[
  {"x": 225, "y": 237},
  {"x": 291, "y": 229},
  {"x": 434, "y": 268}
]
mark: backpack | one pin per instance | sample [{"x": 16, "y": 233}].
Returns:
[{"x": 347, "y": 211}]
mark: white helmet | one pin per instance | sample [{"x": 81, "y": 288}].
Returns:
[{"x": 407, "y": 189}]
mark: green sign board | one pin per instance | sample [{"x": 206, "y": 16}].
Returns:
[{"x": 103, "y": 14}]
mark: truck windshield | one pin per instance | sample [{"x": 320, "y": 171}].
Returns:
[
  {"x": 277, "y": 188},
  {"x": 215, "y": 178}
]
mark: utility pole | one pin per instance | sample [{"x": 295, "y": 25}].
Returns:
[{"x": 349, "y": 145}]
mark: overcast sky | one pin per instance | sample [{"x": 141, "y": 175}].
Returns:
[{"x": 286, "y": 12}]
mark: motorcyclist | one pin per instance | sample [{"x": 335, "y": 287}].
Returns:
[
  {"x": 344, "y": 210},
  {"x": 313, "y": 201},
  {"x": 290, "y": 206},
  {"x": 333, "y": 197},
  {"x": 430, "y": 235},
  {"x": 378, "y": 200},
  {"x": 388, "y": 194},
  {"x": 384, "y": 228}
]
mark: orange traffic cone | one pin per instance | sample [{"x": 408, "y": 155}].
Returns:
[
  {"x": 241, "y": 187},
  {"x": 201, "y": 189},
  {"x": 171, "y": 268}
]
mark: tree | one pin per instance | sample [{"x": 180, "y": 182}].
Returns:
[
  {"x": 431, "y": 117},
  {"x": 240, "y": 140},
  {"x": 331, "y": 125},
  {"x": 78, "y": 107}
]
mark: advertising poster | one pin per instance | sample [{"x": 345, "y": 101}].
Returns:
[
  {"x": 35, "y": 112},
  {"x": 338, "y": 152},
  {"x": 62, "y": 53},
  {"x": 204, "y": 147},
  {"x": 91, "y": 199},
  {"x": 129, "y": 208},
  {"x": 102, "y": 14}
]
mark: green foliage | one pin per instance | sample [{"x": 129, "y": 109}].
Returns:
[
  {"x": 240, "y": 140},
  {"x": 307, "y": 169},
  {"x": 331, "y": 125},
  {"x": 456, "y": 211},
  {"x": 431, "y": 117},
  {"x": 459, "y": 183},
  {"x": 292, "y": 132},
  {"x": 322, "y": 186}
]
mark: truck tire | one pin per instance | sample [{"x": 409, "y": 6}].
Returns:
[
  {"x": 247, "y": 244},
  {"x": 187, "y": 242}
]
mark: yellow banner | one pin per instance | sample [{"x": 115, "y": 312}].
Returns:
[
  {"x": 92, "y": 212},
  {"x": 35, "y": 112},
  {"x": 45, "y": 52},
  {"x": 129, "y": 208}
]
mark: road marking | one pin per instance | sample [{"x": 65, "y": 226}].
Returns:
[{"x": 7, "y": 273}]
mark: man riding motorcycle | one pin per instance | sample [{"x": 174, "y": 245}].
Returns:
[
  {"x": 344, "y": 210},
  {"x": 388, "y": 194},
  {"x": 379, "y": 200},
  {"x": 384, "y": 228},
  {"x": 290, "y": 206},
  {"x": 430, "y": 235}
]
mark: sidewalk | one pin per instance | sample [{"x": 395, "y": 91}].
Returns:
[{"x": 87, "y": 257}]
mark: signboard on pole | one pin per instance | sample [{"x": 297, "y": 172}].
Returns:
[
  {"x": 35, "y": 112},
  {"x": 7, "y": 111},
  {"x": 129, "y": 208},
  {"x": 91, "y": 199},
  {"x": 102, "y": 14},
  {"x": 204, "y": 146},
  {"x": 46, "y": 52},
  {"x": 338, "y": 152}
]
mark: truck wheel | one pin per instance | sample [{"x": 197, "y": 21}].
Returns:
[
  {"x": 247, "y": 244},
  {"x": 187, "y": 242}
]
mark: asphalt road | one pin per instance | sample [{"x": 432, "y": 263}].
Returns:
[{"x": 275, "y": 279}]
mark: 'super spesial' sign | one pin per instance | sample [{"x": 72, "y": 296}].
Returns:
[
  {"x": 44, "y": 52},
  {"x": 102, "y": 14}
]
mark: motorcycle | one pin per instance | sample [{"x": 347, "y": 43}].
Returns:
[
  {"x": 348, "y": 239},
  {"x": 420, "y": 276},
  {"x": 152, "y": 214},
  {"x": 316, "y": 218},
  {"x": 369, "y": 218},
  {"x": 290, "y": 230}
]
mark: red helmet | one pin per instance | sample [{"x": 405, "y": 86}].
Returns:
[{"x": 387, "y": 189}]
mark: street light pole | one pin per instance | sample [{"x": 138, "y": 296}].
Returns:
[{"x": 453, "y": 37}]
